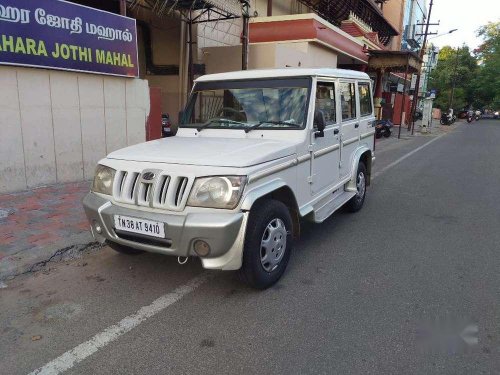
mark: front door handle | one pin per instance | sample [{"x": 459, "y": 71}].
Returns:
[
  {"x": 335, "y": 131},
  {"x": 356, "y": 126}
]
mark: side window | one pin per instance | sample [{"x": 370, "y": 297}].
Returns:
[
  {"x": 365, "y": 99},
  {"x": 347, "y": 101},
  {"x": 325, "y": 101}
]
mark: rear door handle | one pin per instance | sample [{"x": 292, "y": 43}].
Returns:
[
  {"x": 356, "y": 126},
  {"x": 335, "y": 131}
]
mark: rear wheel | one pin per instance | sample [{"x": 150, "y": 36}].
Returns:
[
  {"x": 123, "y": 249},
  {"x": 357, "y": 201},
  {"x": 268, "y": 244}
]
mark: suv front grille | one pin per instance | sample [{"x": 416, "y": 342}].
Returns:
[{"x": 162, "y": 191}]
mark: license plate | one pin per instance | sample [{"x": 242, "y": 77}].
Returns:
[{"x": 141, "y": 226}]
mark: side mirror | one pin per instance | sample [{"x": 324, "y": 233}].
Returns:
[{"x": 319, "y": 124}]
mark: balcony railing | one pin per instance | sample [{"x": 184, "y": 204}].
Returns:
[{"x": 367, "y": 10}]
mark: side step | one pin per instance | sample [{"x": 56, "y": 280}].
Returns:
[{"x": 326, "y": 207}]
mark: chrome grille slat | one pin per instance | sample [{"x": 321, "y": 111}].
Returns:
[
  {"x": 165, "y": 191},
  {"x": 180, "y": 191},
  {"x": 164, "y": 182}
]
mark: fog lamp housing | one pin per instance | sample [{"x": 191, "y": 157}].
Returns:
[{"x": 201, "y": 248}]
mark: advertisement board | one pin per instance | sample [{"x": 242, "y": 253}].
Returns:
[{"x": 57, "y": 34}]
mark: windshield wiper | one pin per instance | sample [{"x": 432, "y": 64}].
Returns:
[
  {"x": 260, "y": 123},
  {"x": 220, "y": 121}
]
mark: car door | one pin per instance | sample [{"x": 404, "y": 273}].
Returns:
[
  {"x": 326, "y": 149},
  {"x": 349, "y": 124},
  {"x": 366, "y": 115}
]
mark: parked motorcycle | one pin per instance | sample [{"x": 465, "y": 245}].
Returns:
[
  {"x": 383, "y": 128},
  {"x": 418, "y": 115},
  {"x": 448, "y": 118}
]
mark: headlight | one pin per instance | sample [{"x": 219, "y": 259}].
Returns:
[
  {"x": 103, "y": 180},
  {"x": 217, "y": 191}
]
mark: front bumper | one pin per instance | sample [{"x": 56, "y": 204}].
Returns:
[{"x": 224, "y": 232}]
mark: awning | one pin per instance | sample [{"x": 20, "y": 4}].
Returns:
[{"x": 394, "y": 61}]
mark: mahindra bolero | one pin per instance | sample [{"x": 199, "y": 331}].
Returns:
[{"x": 256, "y": 153}]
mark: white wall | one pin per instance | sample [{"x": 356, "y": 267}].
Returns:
[
  {"x": 55, "y": 126},
  {"x": 270, "y": 55}
]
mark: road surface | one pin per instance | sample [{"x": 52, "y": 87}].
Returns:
[{"x": 409, "y": 285}]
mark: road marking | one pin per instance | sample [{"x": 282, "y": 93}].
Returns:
[
  {"x": 397, "y": 161},
  {"x": 99, "y": 341}
]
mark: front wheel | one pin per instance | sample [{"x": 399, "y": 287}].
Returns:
[
  {"x": 268, "y": 244},
  {"x": 357, "y": 201}
]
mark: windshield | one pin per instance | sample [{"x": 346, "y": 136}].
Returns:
[{"x": 266, "y": 104}]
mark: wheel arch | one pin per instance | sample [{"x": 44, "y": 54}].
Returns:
[
  {"x": 276, "y": 190},
  {"x": 363, "y": 154}
]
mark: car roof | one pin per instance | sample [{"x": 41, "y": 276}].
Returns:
[{"x": 283, "y": 73}]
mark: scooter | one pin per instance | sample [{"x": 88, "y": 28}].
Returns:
[
  {"x": 383, "y": 128},
  {"x": 446, "y": 119}
]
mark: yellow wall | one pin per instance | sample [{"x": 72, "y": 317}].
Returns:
[{"x": 394, "y": 13}]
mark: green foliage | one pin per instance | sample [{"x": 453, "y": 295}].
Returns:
[
  {"x": 487, "y": 82},
  {"x": 454, "y": 73},
  {"x": 473, "y": 78}
]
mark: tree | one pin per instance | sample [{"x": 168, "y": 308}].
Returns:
[
  {"x": 487, "y": 81},
  {"x": 452, "y": 78}
]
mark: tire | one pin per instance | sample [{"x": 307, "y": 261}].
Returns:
[
  {"x": 356, "y": 202},
  {"x": 268, "y": 219},
  {"x": 123, "y": 249},
  {"x": 387, "y": 133},
  {"x": 442, "y": 122}
]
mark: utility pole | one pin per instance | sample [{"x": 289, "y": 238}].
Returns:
[
  {"x": 245, "y": 12},
  {"x": 123, "y": 7},
  {"x": 454, "y": 79},
  {"x": 422, "y": 53}
]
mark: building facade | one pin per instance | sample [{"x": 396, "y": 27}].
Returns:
[{"x": 57, "y": 123}]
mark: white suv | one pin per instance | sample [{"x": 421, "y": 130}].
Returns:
[{"x": 255, "y": 153}]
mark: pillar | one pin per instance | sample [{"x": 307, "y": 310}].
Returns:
[{"x": 378, "y": 93}]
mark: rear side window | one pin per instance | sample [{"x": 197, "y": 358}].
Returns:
[
  {"x": 365, "y": 99},
  {"x": 325, "y": 101},
  {"x": 348, "y": 101}
]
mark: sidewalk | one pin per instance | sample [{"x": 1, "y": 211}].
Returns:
[
  {"x": 435, "y": 130},
  {"x": 41, "y": 224}
]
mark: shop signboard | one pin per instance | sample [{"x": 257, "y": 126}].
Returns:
[{"x": 57, "y": 34}]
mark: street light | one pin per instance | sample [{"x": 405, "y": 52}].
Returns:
[{"x": 449, "y": 32}]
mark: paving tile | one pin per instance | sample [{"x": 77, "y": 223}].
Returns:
[{"x": 39, "y": 217}]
